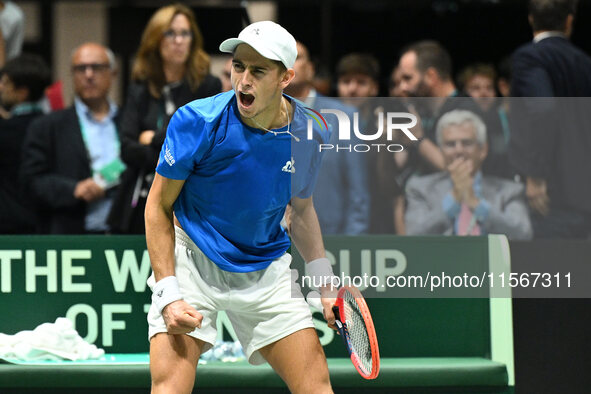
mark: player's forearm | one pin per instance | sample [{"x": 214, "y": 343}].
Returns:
[
  {"x": 159, "y": 224},
  {"x": 305, "y": 231},
  {"x": 160, "y": 239}
]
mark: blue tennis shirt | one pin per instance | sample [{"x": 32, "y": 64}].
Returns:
[{"x": 238, "y": 179}]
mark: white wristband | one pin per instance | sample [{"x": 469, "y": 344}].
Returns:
[
  {"x": 165, "y": 291},
  {"x": 320, "y": 272}
]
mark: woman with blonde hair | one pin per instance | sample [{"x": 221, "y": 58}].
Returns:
[{"x": 170, "y": 69}]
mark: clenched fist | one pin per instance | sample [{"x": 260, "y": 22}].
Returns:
[{"x": 181, "y": 318}]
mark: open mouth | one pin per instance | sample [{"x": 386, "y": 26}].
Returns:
[{"x": 246, "y": 99}]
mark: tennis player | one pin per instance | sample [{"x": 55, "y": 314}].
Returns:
[{"x": 228, "y": 167}]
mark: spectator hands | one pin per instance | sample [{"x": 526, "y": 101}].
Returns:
[
  {"x": 88, "y": 190},
  {"x": 537, "y": 195},
  {"x": 181, "y": 318},
  {"x": 146, "y": 137},
  {"x": 427, "y": 148},
  {"x": 4, "y": 114},
  {"x": 460, "y": 171}
]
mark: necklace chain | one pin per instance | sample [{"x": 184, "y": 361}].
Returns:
[{"x": 279, "y": 132}]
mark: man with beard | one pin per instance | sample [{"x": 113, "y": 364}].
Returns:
[{"x": 426, "y": 72}]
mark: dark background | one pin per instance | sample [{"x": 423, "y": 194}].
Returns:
[
  {"x": 471, "y": 30},
  {"x": 552, "y": 337},
  {"x": 475, "y": 30}
]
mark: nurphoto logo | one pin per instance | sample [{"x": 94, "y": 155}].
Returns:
[{"x": 386, "y": 121}]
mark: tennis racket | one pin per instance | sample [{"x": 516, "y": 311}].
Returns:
[{"x": 355, "y": 325}]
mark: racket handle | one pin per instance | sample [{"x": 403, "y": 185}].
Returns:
[{"x": 313, "y": 299}]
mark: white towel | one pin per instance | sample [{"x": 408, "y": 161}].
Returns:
[{"x": 49, "y": 341}]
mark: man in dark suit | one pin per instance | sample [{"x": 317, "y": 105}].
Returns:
[
  {"x": 462, "y": 200},
  {"x": 551, "y": 138},
  {"x": 71, "y": 158},
  {"x": 22, "y": 83}
]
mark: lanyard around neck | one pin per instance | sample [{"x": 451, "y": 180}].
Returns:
[
  {"x": 26, "y": 109},
  {"x": 85, "y": 135}
]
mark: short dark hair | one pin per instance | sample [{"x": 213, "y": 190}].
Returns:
[
  {"x": 28, "y": 71},
  {"x": 359, "y": 63},
  {"x": 551, "y": 14},
  {"x": 431, "y": 53},
  {"x": 280, "y": 65},
  {"x": 475, "y": 69}
]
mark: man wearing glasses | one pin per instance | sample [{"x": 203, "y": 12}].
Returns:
[
  {"x": 71, "y": 158},
  {"x": 461, "y": 200}
]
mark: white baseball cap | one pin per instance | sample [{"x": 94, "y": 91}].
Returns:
[{"x": 267, "y": 38}]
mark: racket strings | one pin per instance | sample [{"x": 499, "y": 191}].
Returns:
[{"x": 358, "y": 331}]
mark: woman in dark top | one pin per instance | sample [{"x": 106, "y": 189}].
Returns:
[{"x": 170, "y": 70}]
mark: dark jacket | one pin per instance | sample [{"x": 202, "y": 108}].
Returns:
[
  {"x": 16, "y": 208},
  {"x": 144, "y": 112},
  {"x": 55, "y": 159},
  {"x": 551, "y": 139},
  {"x": 552, "y": 67}
]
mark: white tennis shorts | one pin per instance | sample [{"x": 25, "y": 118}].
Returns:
[{"x": 263, "y": 306}]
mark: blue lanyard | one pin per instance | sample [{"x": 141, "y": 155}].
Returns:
[
  {"x": 26, "y": 109},
  {"x": 85, "y": 136},
  {"x": 504, "y": 123}
]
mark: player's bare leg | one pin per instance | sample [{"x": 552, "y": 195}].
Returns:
[
  {"x": 173, "y": 361},
  {"x": 300, "y": 361}
]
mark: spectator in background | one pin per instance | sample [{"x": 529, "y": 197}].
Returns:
[
  {"x": 358, "y": 78},
  {"x": 551, "y": 141},
  {"x": 461, "y": 200},
  {"x": 12, "y": 23},
  {"x": 504, "y": 77},
  {"x": 404, "y": 161},
  {"x": 71, "y": 163},
  {"x": 426, "y": 71},
  {"x": 2, "y": 50},
  {"x": 22, "y": 83},
  {"x": 478, "y": 81},
  {"x": 341, "y": 195},
  {"x": 226, "y": 74},
  {"x": 170, "y": 70},
  {"x": 323, "y": 80},
  {"x": 394, "y": 84}
]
